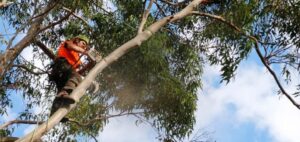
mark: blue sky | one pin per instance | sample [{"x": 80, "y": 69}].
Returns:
[{"x": 247, "y": 109}]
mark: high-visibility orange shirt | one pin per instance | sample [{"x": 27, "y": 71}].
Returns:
[{"x": 72, "y": 56}]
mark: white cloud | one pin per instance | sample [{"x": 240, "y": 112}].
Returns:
[
  {"x": 123, "y": 129},
  {"x": 253, "y": 95}
]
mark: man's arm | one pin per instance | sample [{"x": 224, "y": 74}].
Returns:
[{"x": 71, "y": 45}]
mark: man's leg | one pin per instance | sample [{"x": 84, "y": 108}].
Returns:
[
  {"x": 61, "y": 73},
  {"x": 71, "y": 84}
]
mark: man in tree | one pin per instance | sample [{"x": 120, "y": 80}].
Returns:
[{"x": 66, "y": 69}]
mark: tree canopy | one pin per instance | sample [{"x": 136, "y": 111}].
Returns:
[{"x": 154, "y": 53}]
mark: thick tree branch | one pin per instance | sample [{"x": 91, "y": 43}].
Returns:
[
  {"x": 45, "y": 49},
  {"x": 7, "y": 58},
  {"x": 260, "y": 55},
  {"x": 145, "y": 16},
  {"x": 219, "y": 18},
  {"x": 3, "y": 126},
  {"x": 115, "y": 55}
]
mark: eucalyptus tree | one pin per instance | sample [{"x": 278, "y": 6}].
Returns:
[{"x": 153, "y": 55}]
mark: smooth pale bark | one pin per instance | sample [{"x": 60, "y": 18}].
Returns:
[
  {"x": 18, "y": 122},
  {"x": 115, "y": 55}
]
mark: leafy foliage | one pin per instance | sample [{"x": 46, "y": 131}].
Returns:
[{"x": 159, "y": 79}]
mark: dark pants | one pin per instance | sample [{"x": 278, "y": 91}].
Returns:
[
  {"x": 63, "y": 75},
  {"x": 65, "y": 79}
]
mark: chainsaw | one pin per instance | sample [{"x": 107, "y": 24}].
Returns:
[{"x": 94, "y": 55}]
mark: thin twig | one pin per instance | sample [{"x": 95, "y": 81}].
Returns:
[
  {"x": 45, "y": 11},
  {"x": 112, "y": 14},
  {"x": 102, "y": 118},
  {"x": 15, "y": 35},
  {"x": 29, "y": 70},
  {"x": 32, "y": 64},
  {"x": 57, "y": 22},
  {"x": 75, "y": 15}
]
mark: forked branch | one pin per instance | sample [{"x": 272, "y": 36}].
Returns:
[{"x": 145, "y": 16}]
